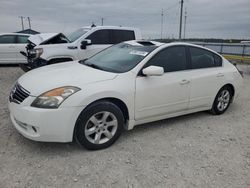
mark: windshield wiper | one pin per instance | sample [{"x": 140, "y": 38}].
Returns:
[{"x": 90, "y": 65}]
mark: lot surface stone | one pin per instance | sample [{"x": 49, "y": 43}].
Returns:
[{"x": 197, "y": 150}]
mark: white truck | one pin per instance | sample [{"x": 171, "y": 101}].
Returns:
[{"x": 50, "y": 48}]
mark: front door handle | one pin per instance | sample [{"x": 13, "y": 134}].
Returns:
[
  {"x": 220, "y": 75},
  {"x": 72, "y": 47},
  {"x": 184, "y": 81}
]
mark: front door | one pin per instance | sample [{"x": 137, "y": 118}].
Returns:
[
  {"x": 166, "y": 94},
  {"x": 100, "y": 40}
]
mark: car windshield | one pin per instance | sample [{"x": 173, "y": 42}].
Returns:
[
  {"x": 77, "y": 34},
  {"x": 119, "y": 58}
]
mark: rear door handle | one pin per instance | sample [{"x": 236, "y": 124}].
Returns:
[
  {"x": 184, "y": 81},
  {"x": 220, "y": 75}
]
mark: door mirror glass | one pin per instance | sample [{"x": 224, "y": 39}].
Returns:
[
  {"x": 153, "y": 71},
  {"x": 85, "y": 43}
]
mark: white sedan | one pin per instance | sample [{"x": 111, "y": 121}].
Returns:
[
  {"x": 92, "y": 101},
  {"x": 10, "y": 46}
]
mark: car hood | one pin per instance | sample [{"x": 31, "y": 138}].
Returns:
[
  {"x": 71, "y": 73},
  {"x": 43, "y": 38}
]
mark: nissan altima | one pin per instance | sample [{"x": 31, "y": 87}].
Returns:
[{"x": 92, "y": 101}]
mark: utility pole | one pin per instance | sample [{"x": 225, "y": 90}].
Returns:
[
  {"x": 161, "y": 22},
  {"x": 181, "y": 19},
  {"x": 102, "y": 20},
  {"x": 185, "y": 24},
  {"x": 29, "y": 22},
  {"x": 22, "y": 17}
]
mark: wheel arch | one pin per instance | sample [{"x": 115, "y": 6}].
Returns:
[
  {"x": 231, "y": 87},
  {"x": 121, "y": 104},
  {"x": 117, "y": 102}
]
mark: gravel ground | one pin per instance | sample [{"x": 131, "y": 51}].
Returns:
[{"x": 197, "y": 150}]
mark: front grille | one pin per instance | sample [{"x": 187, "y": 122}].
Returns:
[{"x": 18, "y": 94}]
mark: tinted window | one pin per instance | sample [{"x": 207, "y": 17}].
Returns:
[
  {"x": 217, "y": 60},
  {"x": 171, "y": 59},
  {"x": 122, "y": 35},
  {"x": 201, "y": 58},
  {"x": 7, "y": 39},
  {"x": 100, "y": 37},
  {"x": 22, "y": 39}
]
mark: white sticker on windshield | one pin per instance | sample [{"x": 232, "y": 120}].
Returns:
[{"x": 136, "y": 52}]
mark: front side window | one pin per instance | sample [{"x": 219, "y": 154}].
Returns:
[
  {"x": 119, "y": 58},
  {"x": 171, "y": 59},
  {"x": 201, "y": 58},
  {"x": 101, "y": 37},
  {"x": 7, "y": 39},
  {"x": 77, "y": 34},
  {"x": 22, "y": 39}
]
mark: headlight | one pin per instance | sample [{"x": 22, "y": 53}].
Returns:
[
  {"x": 55, "y": 97},
  {"x": 37, "y": 52}
]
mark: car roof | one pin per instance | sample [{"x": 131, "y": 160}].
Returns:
[
  {"x": 21, "y": 34},
  {"x": 158, "y": 44},
  {"x": 108, "y": 27}
]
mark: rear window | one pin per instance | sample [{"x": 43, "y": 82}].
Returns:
[
  {"x": 123, "y": 35},
  {"x": 22, "y": 39},
  {"x": 201, "y": 58}
]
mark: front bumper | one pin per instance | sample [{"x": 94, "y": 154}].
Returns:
[
  {"x": 47, "y": 125},
  {"x": 35, "y": 63}
]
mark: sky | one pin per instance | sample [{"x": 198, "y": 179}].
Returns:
[{"x": 205, "y": 18}]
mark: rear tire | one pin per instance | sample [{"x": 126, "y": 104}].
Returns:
[
  {"x": 99, "y": 125},
  {"x": 222, "y": 100}
]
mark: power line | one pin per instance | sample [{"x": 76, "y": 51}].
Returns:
[
  {"x": 29, "y": 22},
  {"x": 22, "y": 17},
  {"x": 102, "y": 20},
  {"x": 185, "y": 23},
  {"x": 161, "y": 22},
  {"x": 181, "y": 19}
]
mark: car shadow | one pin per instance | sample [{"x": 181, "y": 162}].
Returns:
[{"x": 9, "y": 65}]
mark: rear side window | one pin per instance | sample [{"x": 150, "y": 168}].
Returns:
[
  {"x": 122, "y": 35},
  {"x": 171, "y": 59},
  {"x": 7, "y": 39},
  {"x": 22, "y": 39},
  {"x": 101, "y": 37},
  {"x": 201, "y": 58}
]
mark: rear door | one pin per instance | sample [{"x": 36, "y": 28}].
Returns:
[
  {"x": 7, "y": 49},
  {"x": 22, "y": 41},
  {"x": 206, "y": 77}
]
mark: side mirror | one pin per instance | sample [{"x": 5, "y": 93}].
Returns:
[
  {"x": 153, "y": 71},
  {"x": 85, "y": 43}
]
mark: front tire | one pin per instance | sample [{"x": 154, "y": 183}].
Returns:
[
  {"x": 99, "y": 125},
  {"x": 25, "y": 67},
  {"x": 222, "y": 100}
]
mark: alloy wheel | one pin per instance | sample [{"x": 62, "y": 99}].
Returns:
[{"x": 101, "y": 127}]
